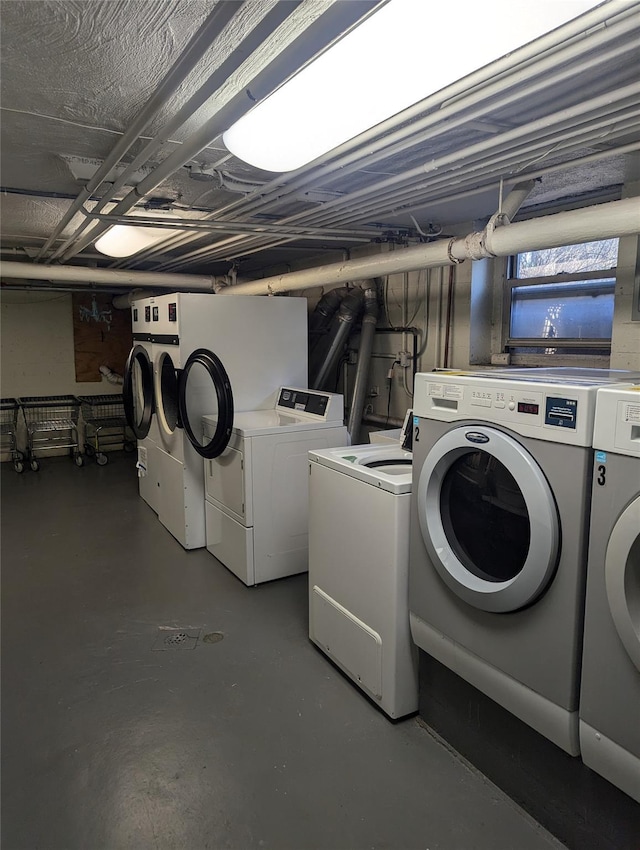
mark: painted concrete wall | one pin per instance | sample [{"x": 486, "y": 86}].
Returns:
[
  {"x": 37, "y": 347},
  {"x": 36, "y": 351}
]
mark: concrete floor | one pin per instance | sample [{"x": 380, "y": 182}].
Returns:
[{"x": 255, "y": 740}]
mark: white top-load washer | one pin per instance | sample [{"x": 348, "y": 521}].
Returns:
[
  {"x": 257, "y": 490},
  {"x": 358, "y": 569},
  {"x": 610, "y": 688},
  {"x": 197, "y": 354},
  {"x": 499, "y": 525}
]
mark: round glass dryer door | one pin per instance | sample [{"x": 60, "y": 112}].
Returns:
[
  {"x": 167, "y": 394},
  {"x": 137, "y": 391},
  {"x": 488, "y": 518},
  {"x": 622, "y": 578},
  {"x": 205, "y": 390}
]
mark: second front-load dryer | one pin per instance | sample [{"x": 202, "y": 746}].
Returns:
[
  {"x": 209, "y": 355},
  {"x": 499, "y": 526}
]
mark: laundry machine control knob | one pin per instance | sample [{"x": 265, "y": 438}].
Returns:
[{"x": 512, "y": 405}]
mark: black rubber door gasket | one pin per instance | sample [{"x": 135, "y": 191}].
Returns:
[
  {"x": 140, "y": 427},
  {"x": 222, "y": 385}
]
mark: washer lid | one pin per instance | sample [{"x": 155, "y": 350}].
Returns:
[
  {"x": 386, "y": 467},
  {"x": 255, "y": 423}
]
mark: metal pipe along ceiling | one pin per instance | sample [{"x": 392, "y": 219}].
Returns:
[
  {"x": 274, "y": 73},
  {"x": 108, "y": 277},
  {"x": 604, "y": 221},
  {"x": 508, "y": 150},
  {"x": 193, "y": 53},
  {"x": 536, "y": 71},
  {"x": 251, "y": 42}
]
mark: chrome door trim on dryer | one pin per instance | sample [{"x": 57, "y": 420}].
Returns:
[
  {"x": 622, "y": 584},
  {"x": 466, "y": 580}
]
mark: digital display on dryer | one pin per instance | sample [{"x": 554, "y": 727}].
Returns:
[{"x": 528, "y": 407}]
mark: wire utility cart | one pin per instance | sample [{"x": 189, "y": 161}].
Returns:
[
  {"x": 105, "y": 425},
  {"x": 9, "y": 409},
  {"x": 52, "y": 423}
]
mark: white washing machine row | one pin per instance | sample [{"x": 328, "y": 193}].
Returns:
[
  {"x": 358, "y": 569},
  {"x": 499, "y": 528},
  {"x": 257, "y": 489},
  {"x": 197, "y": 354},
  {"x": 610, "y": 681}
]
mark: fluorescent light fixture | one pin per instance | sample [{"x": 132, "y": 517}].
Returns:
[
  {"x": 123, "y": 240},
  {"x": 406, "y": 51}
]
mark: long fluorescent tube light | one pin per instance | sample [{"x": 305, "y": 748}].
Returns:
[
  {"x": 124, "y": 240},
  {"x": 406, "y": 51}
]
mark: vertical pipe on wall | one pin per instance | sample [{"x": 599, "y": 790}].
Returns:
[{"x": 369, "y": 322}]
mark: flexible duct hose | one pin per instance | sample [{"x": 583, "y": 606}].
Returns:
[
  {"x": 350, "y": 308},
  {"x": 369, "y": 322}
]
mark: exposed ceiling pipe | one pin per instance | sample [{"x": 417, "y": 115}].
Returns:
[
  {"x": 124, "y": 301},
  {"x": 540, "y": 133},
  {"x": 603, "y": 221},
  {"x": 413, "y": 200},
  {"x": 332, "y": 234},
  {"x": 108, "y": 277},
  {"x": 198, "y": 45},
  {"x": 360, "y": 385},
  {"x": 251, "y": 42},
  {"x": 549, "y": 59},
  {"x": 303, "y": 48},
  {"x": 388, "y": 194}
]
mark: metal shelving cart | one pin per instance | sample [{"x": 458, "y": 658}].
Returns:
[
  {"x": 52, "y": 423},
  {"x": 9, "y": 409},
  {"x": 105, "y": 425}
]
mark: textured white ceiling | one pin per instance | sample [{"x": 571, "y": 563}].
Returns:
[{"x": 75, "y": 74}]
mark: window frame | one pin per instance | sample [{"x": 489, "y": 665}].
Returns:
[{"x": 506, "y": 343}]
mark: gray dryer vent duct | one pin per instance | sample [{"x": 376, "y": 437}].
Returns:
[
  {"x": 319, "y": 326},
  {"x": 369, "y": 322},
  {"x": 350, "y": 309},
  {"x": 326, "y": 308}
]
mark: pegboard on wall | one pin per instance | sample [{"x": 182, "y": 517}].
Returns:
[{"x": 101, "y": 336}]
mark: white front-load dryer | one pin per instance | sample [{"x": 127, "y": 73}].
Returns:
[
  {"x": 139, "y": 401},
  {"x": 499, "y": 525},
  {"x": 359, "y": 500},
  {"x": 610, "y": 689},
  {"x": 208, "y": 355}
]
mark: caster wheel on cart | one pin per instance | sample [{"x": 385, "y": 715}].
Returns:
[
  {"x": 35, "y": 466},
  {"x": 89, "y": 450},
  {"x": 78, "y": 460},
  {"x": 129, "y": 446},
  {"x": 102, "y": 459},
  {"x": 18, "y": 465},
  {"x": 18, "y": 455}
]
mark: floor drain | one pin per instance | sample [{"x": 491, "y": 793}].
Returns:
[
  {"x": 180, "y": 637},
  {"x": 176, "y": 639},
  {"x": 213, "y": 637}
]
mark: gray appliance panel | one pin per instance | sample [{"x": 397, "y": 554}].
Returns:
[
  {"x": 538, "y": 646},
  {"x": 610, "y": 690}
]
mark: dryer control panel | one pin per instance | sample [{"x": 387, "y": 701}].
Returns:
[
  {"x": 553, "y": 412},
  {"x": 327, "y": 407}
]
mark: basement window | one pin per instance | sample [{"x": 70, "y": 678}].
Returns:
[{"x": 560, "y": 301}]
